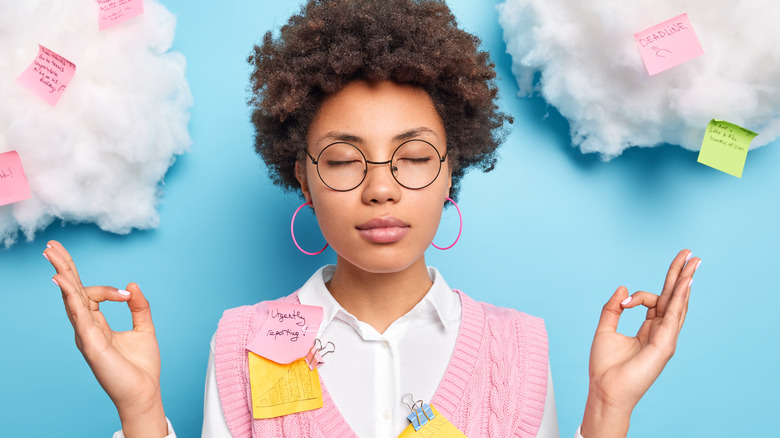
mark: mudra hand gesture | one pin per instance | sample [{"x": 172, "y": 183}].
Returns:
[
  {"x": 126, "y": 364},
  {"x": 622, "y": 368}
]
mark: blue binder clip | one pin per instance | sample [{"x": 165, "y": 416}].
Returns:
[{"x": 421, "y": 412}]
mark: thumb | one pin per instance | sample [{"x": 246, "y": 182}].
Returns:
[
  {"x": 610, "y": 313},
  {"x": 139, "y": 309}
]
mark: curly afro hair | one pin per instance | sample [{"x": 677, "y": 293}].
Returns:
[{"x": 333, "y": 42}]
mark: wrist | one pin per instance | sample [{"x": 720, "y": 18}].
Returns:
[
  {"x": 144, "y": 421},
  {"x": 605, "y": 418}
]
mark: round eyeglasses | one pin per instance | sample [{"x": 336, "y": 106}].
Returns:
[{"x": 415, "y": 164}]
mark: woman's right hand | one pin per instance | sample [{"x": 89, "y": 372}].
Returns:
[{"x": 126, "y": 364}]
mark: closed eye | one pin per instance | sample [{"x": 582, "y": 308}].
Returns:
[
  {"x": 343, "y": 162},
  {"x": 422, "y": 160}
]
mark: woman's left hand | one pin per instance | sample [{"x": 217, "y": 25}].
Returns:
[{"x": 622, "y": 368}]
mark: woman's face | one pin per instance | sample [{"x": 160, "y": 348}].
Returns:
[{"x": 380, "y": 226}]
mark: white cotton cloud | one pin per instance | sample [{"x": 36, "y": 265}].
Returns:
[
  {"x": 582, "y": 58},
  {"x": 101, "y": 153}
]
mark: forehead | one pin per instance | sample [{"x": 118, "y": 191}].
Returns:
[{"x": 375, "y": 113}]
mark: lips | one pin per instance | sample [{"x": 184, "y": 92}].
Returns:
[{"x": 384, "y": 230}]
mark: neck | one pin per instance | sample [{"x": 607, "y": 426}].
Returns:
[{"x": 378, "y": 299}]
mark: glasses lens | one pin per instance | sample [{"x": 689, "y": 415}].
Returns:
[
  {"x": 341, "y": 166},
  {"x": 416, "y": 164}
]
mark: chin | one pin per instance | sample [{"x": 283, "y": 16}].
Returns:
[{"x": 382, "y": 260}]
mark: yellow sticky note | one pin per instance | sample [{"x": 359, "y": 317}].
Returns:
[
  {"x": 279, "y": 389},
  {"x": 438, "y": 427},
  {"x": 725, "y": 147}
]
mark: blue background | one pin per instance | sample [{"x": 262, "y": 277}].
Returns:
[{"x": 550, "y": 232}]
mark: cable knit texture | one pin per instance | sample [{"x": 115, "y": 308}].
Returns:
[{"x": 488, "y": 389}]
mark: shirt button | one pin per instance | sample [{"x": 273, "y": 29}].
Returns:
[
  {"x": 387, "y": 415},
  {"x": 385, "y": 345}
]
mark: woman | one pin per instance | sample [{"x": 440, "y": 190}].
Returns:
[{"x": 374, "y": 110}]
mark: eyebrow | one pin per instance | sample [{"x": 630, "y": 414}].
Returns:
[{"x": 351, "y": 138}]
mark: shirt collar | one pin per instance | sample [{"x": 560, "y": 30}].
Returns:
[{"x": 440, "y": 297}]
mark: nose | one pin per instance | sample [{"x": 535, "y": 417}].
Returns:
[{"x": 379, "y": 185}]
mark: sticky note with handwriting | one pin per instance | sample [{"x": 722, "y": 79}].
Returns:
[
  {"x": 436, "y": 427},
  {"x": 282, "y": 389},
  {"x": 13, "y": 183},
  {"x": 48, "y": 76},
  {"x": 288, "y": 332},
  {"x": 668, "y": 44},
  {"x": 113, "y": 12},
  {"x": 725, "y": 147}
]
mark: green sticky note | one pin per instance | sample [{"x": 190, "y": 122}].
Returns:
[{"x": 725, "y": 147}]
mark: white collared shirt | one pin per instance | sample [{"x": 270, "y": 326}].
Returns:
[{"x": 370, "y": 372}]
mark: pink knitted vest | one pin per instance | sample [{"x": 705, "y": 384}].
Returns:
[{"x": 494, "y": 386}]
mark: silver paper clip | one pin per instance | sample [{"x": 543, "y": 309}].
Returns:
[
  {"x": 417, "y": 408},
  {"x": 317, "y": 352}
]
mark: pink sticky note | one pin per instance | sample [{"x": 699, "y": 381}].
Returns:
[
  {"x": 288, "y": 332},
  {"x": 116, "y": 11},
  {"x": 48, "y": 76},
  {"x": 13, "y": 183},
  {"x": 668, "y": 44}
]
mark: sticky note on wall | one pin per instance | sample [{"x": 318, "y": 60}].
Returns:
[
  {"x": 13, "y": 182},
  {"x": 113, "y": 12},
  {"x": 668, "y": 44},
  {"x": 48, "y": 76},
  {"x": 725, "y": 147}
]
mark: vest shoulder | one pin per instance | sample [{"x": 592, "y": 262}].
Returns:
[{"x": 493, "y": 311}]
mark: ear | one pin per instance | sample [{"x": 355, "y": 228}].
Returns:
[
  {"x": 300, "y": 175},
  {"x": 449, "y": 180}
]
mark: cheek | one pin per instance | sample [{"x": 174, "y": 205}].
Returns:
[
  {"x": 430, "y": 217},
  {"x": 332, "y": 216}
]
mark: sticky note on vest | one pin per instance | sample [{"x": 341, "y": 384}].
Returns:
[
  {"x": 668, "y": 44},
  {"x": 279, "y": 389},
  {"x": 48, "y": 76},
  {"x": 725, "y": 147},
  {"x": 437, "y": 427},
  {"x": 13, "y": 182},
  {"x": 288, "y": 332}
]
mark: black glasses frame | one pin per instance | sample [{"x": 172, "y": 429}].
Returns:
[{"x": 393, "y": 169}]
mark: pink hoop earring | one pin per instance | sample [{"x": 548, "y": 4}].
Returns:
[
  {"x": 460, "y": 228},
  {"x": 292, "y": 232}
]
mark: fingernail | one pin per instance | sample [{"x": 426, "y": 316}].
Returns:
[
  {"x": 690, "y": 254},
  {"x": 55, "y": 282},
  {"x": 626, "y": 301},
  {"x": 690, "y": 282},
  {"x": 48, "y": 246},
  {"x": 47, "y": 257},
  {"x": 124, "y": 293},
  {"x": 697, "y": 265}
]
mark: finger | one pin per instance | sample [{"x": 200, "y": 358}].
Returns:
[
  {"x": 78, "y": 311},
  {"x": 56, "y": 247},
  {"x": 647, "y": 299},
  {"x": 139, "y": 309},
  {"x": 61, "y": 282},
  {"x": 672, "y": 275},
  {"x": 99, "y": 294},
  {"x": 640, "y": 298},
  {"x": 59, "y": 260},
  {"x": 675, "y": 313},
  {"x": 610, "y": 313}
]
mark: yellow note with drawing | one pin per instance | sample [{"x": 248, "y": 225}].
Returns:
[
  {"x": 437, "y": 427},
  {"x": 281, "y": 389}
]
